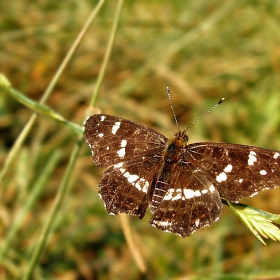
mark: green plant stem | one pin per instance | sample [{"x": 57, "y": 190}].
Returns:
[
  {"x": 32, "y": 197},
  {"x": 43, "y": 110},
  {"x": 107, "y": 54},
  {"x": 63, "y": 188}
]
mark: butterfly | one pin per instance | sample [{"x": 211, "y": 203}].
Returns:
[{"x": 182, "y": 183}]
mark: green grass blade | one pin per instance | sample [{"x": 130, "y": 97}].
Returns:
[
  {"x": 32, "y": 197},
  {"x": 43, "y": 110},
  {"x": 107, "y": 54},
  {"x": 53, "y": 212}
]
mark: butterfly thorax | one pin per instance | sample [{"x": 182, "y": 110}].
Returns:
[{"x": 176, "y": 147}]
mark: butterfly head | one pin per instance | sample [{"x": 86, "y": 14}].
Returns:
[
  {"x": 182, "y": 137},
  {"x": 177, "y": 147}
]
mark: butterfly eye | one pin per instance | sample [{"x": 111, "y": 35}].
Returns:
[{"x": 186, "y": 137}]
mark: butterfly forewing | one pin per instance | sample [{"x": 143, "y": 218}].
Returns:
[
  {"x": 236, "y": 170},
  {"x": 113, "y": 140}
]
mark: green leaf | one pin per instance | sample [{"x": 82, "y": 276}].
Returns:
[{"x": 259, "y": 222}]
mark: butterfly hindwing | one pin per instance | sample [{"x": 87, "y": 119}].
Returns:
[
  {"x": 126, "y": 187},
  {"x": 190, "y": 202}
]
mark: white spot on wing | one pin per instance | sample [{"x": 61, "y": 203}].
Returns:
[
  {"x": 162, "y": 223},
  {"x": 121, "y": 152},
  {"x": 197, "y": 222},
  {"x": 100, "y": 135},
  {"x": 137, "y": 186},
  {"x": 188, "y": 193},
  {"x": 240, "y": 180},
  {"x": 221, "y": 177},
  {"x": 263, "y": 172},
  {"x": 118, "y": 165},
  {"x": 123, "y": 143},
  {"x": 168, "y": 194},
  {"x": 212, "y": 188},
  {"x": 178, "y": 195},
  {"x": 132, "y": 178},
  {"x": 197, "y": 193},
  {"x": 204, "y": 191},
  {"x": 252, "y": 158},
  {"x": 102, "y": 118},
  {"x": 276, "y": 155},
  {"x": 145, "y": 187},
  {"x": 139, "y": 183},
  {"x": 115, "y": 127},
  {"x": 228, "y": 168}
]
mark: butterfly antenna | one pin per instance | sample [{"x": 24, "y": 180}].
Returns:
[
  {"x": 171, "y": 105},
  {"x": 221, "y": 101}
]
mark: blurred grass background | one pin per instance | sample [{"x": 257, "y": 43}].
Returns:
[{"x": 203, "y": 51}]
